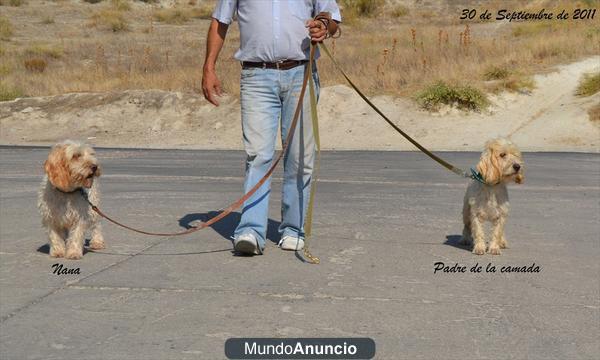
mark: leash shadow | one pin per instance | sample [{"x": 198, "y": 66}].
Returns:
[
  {"x": 227, "y": 225},
  {"x": 454, "y": 241}
]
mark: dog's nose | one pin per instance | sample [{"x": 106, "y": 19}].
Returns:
[
  {"x": 516, "y": 167},
  {"x": 94, "y": 168}
]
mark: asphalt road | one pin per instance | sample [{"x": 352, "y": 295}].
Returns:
[{"x": 382, "y": 220}]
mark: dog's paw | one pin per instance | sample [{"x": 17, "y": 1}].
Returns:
[
  {"x": 479, "y": 249},
  {"x": 97, "y": 244},
  {"x": 495, "y": 250},
  {"x": 73, "y": 255},
  {"x": 503, "y": 244},
  {"x": 57, "y": 253}
]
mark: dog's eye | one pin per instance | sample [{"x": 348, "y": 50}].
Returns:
[
  {"x": 76, "y": 156},
  {"x": 502, "y": 155}
]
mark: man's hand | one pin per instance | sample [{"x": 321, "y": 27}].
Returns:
[
  {"x": 211, "y": 86},
  {"x": 317, "y": 30}
]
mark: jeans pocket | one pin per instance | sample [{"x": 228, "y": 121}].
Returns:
[{"x": 248, "y": 73}]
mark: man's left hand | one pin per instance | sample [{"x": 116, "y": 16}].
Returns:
[{"x": 317, "y": 30}]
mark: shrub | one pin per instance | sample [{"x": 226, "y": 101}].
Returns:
[
  {"x": 5, "y": 69},
  {"x": 464, "y": 97},
  {"x": 15, "y": 2},
  {"x": 110, "y": 19},
  {"x": 48, "y": 20},
  {"x": 120, "y": 5},
  {"x": 171, "y": 16},
  {"x": 43, "y": 51},
  {"x": 360, "y": 8},
  {"x": 203, "y": 12},
  {"x": 8, "y": 93},
  {"x": 495, "y": 73},
  {"x": 35, "y": 64},
  {"x": 400, "y": 11},
  {"x": 6, "y": 30},
  {"x": 588, "y": 85}
]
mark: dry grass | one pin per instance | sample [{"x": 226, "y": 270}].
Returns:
[
  {"x": 172, "y": 16},
  {"x": 589, "y": 85},
  {"x": 8, "y": 93},
  {"x": 383, "y": 54},
  {"x": 35, "y": 64},
  {"x": 109, "y": 19},
  {"x": 594, "y": 113},
  {"x": 6, "y": 29}
]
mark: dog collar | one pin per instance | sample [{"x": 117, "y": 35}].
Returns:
[{"x": 476, "y": 175}]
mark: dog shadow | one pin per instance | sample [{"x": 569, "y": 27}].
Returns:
[
  {"x": 226, "y": 226},
  {"x": 454, "y": 241}
]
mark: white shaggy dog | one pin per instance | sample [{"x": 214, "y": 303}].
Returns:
[
  {"x": 500, "y": 163},
  {"x": 66, "y": 215}
]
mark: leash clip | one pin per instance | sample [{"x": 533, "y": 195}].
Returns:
[{"x": 475, "y": 175}]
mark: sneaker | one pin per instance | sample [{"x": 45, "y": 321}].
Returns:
[
  {"x": 292, "y": 243},
  {"x": 247, "y": 244}
]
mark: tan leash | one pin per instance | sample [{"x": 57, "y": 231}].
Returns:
[
  {"x": 472, "y": 175},
  {"x": 236, "y": 204}
]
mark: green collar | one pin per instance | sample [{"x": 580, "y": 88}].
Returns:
[{"x": 475, "y": 175}]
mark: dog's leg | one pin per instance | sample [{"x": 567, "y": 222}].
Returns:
[
  {"x": 478, "y": 235},
  {"x": 467, "y": 238},
  {"x": 97, "y": 240},
  {"x": 75, "y": 242},
  {"x": 57, "y": 242},
  {"x": 498, "y": 236}
]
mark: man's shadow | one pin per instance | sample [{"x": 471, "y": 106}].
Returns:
[{"x": 226, "y": 226}]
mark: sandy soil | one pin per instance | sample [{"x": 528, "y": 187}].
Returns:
[{"x": 550, "y": 118}]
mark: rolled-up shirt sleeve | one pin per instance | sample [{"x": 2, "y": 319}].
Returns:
[
  {"x": 225, "y": 10},
  {"x": 329, "y": 6}
]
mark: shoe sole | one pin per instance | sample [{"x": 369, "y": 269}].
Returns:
[{"x": 246, "y": 247}]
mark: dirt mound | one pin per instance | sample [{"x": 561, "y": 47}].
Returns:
[{"x": 550, "y": 118}]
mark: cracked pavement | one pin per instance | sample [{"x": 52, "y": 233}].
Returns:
[{"x": 382, "y": 220}]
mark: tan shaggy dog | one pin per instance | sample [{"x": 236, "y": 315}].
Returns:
[
  {"x": 65, "y": 213},
  {"x": 501, "y": 162}
]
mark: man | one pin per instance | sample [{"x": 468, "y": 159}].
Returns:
[{"x": 275, "y": 38}]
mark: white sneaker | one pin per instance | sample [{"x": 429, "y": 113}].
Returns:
[
  {"x": 292, "y": 243},
  {"x": 247, "y": 244}
]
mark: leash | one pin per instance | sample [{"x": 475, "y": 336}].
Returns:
[
  {"x": 458, "y": 171},
  {"x": 314, "y": 177},
  {"x": 236, "y": 204}
]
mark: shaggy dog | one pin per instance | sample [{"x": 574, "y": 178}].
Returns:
[
  {"x": 66, "y": 215},
  {"x": 501, "y": 162}
]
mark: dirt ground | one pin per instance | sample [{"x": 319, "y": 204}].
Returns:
[{"x": 549, "y": 118}]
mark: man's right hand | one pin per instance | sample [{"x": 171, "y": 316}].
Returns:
[{"x": 211, "y": 86}]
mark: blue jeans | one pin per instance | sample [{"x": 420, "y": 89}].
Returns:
[{"x": 268, "y": 96}]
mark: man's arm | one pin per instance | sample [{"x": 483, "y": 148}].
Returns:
[{"x": 214, "y": 43}]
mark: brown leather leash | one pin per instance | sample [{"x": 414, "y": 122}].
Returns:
[{"x": 236, "y": 204}]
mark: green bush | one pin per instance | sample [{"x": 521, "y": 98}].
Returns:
[
  {"x": 362, "y": 8},
  {"x": 496, "y": 73},
  {"x": 6, "y": 29},
  {"x": 463, "y": 96},
  {"x": 589, "y": 85},
  {"x": 8, "y": 93}
]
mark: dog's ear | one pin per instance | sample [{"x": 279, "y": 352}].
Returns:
[
  {"x": 57, "y": 170},
  {"x": 488, "y": 166}
]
